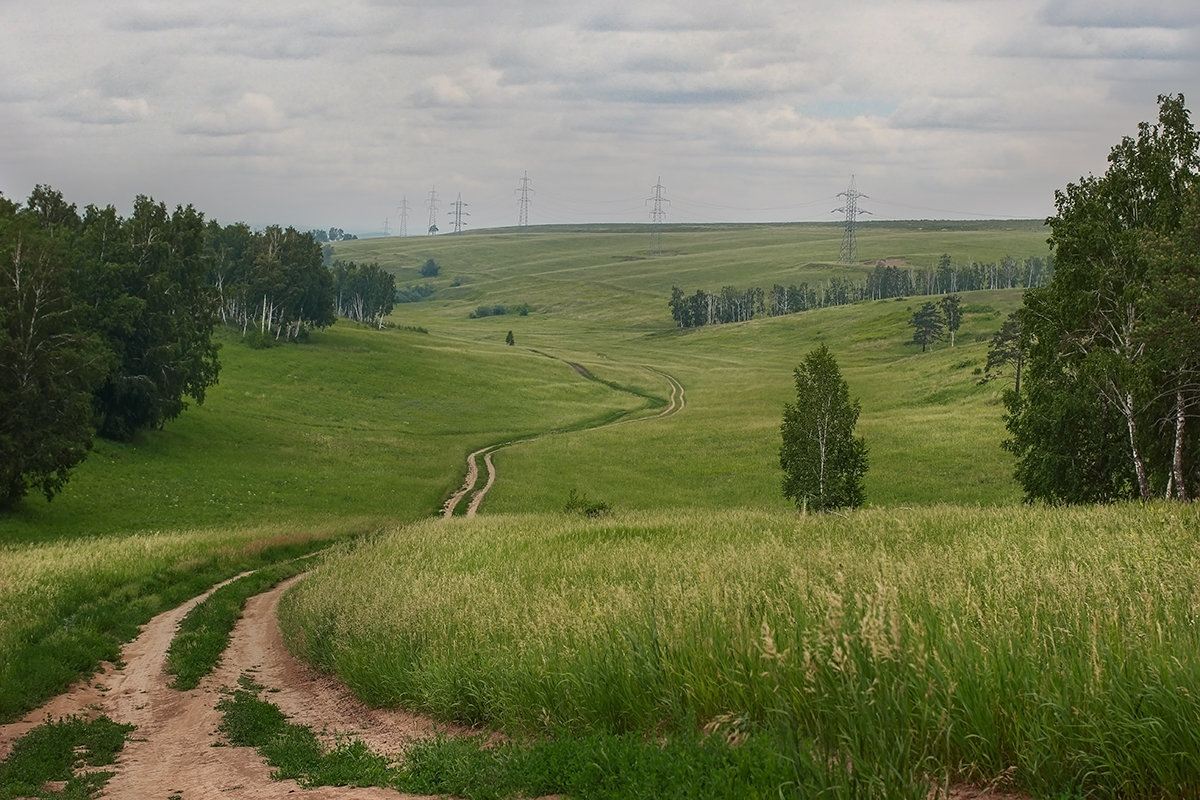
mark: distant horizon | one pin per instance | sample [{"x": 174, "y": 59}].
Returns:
[{"x": 352, "y": 115}]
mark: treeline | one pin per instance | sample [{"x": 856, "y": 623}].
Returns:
[
  {"x": 106, "y": 327},
  {"x": 732, "y": 304},
  {"x": 107, "y": 322},
  {"x": 271, "y": 283}
]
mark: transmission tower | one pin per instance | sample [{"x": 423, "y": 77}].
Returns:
[
  {"x": 849, "y": 252},
  {"x": 403, "y": 210},
  {"x": 432, "y": 202},
  {"x": 657, "y": 215},
  {"x": 523, "y": 191},
  {"x": 458, "y": 213},
  {"x": 387, "y": 226}
]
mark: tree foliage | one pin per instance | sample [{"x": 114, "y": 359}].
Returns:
[
  {"x": 952, "y": 314},
  {"x": 1111, "y": 378},
  {"x": 823, "y": 462},
  {"x": 145, "y": 284},
  {"x": 928, "y": 325},
  {"x": 48, "y": 364},
  {"x": 365, "y": 292},
  {"x": 273, "y": 282},
  {"x": 1007, "y": 350}
]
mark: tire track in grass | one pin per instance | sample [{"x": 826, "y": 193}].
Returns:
[{"x": 676, "y": 402}]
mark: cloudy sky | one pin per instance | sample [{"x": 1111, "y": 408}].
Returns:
[{"x": 342, "y": 114}]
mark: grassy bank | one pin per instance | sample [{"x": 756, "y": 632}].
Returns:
[
  {"x": 1053, "y": 649},
  {"x": 67, "y": 606}
]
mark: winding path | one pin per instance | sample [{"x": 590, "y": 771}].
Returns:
[
  {"x": 176, "y": 749},
  {"x": 675, "y": 403}
]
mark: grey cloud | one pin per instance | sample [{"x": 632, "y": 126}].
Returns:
[
  {"x": 966, "y": 114},
  {"x": 1146, "y": 43},
  {"x": 157, "y": 17},
  {"x": 91, "y": 109},
  {"x": 1121, "y": 14},
  {"x": 252, "y": 113}
]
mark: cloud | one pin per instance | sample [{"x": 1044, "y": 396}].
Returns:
[
  {"x": 251, "y": 113},
  {"x": 1121, "y": 14},
  {"x": 90, "y": 108},
  {"x": 1104, "y": 43}
]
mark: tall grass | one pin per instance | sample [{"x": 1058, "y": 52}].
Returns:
[{"x": 1053, "y": 649}]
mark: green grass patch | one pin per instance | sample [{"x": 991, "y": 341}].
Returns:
[
  {"x": 595, "y": 765},
  {"x": 1054, "y": 647},
  {"x": 67, "y": 752},
  {"x": 204, "y": 633},
  {"x": 67, "y": 606},
  {"x": 294, "y": 750}
]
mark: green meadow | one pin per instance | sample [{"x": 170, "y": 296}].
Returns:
[{"x": 943, "y": 633}]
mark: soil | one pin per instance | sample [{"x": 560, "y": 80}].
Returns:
[{"x": 176, "y": 750}]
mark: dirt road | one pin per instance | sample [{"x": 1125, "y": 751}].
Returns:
[
  {"x": 176, "y": 752},
  {"x": 675, "y": 404}
]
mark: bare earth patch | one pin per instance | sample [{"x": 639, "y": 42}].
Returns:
[{"x": 176, "y": 749}]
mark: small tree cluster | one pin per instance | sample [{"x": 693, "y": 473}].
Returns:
[
  {"x": 365, "y": 292},
  {"x": 932, "y": 321},
  {"x": 272, "y": 282},
  {"x": 500, "y": 310}
]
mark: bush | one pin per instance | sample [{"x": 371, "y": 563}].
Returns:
[
  {"x": 430, "y": 269},
  {"x": 414, "y": 293},
  {"x": 578, "y": 503}
]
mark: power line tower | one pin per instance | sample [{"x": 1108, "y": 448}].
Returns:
[
  {"x": 387, "y": 226},
  {"x": 458, "y": 213},
  {"x": 403, "y": 210},
  {"x": 849, "y": 252},
  {"x": 432, "y": 203},
  {"x": 657, "y": 215},
  {"x": 523, "y": 191}
]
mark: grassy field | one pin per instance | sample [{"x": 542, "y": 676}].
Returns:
[
  {"x": 944, "y": 632},
  {"x": 1052, "y": 649}
]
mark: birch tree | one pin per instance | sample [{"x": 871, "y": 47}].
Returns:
[
  {"x": 1111, "y": 340},
  {"x": 822, "y": 460}
]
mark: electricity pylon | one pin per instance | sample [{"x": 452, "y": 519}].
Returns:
[
  {"x": 523, "y": 191},
  {"x": 657, "y": 215},
  {"x": 433, "y": 209},
  {"x": 403, "y": 209},
  {"x": 849, "y": 252},
  {"x": 458, "y": 213}
]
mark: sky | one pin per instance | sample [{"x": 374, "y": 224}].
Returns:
[{"x": 354, "y": 114}]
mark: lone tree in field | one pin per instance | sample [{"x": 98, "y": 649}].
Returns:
[
  {"x": 951, "y": 306},
  {"x": 823, "y": 462},
  {"x": 928, "y": 325}
]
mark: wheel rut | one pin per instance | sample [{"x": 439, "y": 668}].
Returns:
[
  {"x": 177, "y": 750},
  {"x": 676, "y": 402}
]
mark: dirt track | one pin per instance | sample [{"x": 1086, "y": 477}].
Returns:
[
  {"x": 675, "y": 404},
  {"x": 175, "y": 751}
]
